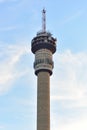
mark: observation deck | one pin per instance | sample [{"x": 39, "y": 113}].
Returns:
[{"x": 43, "y": 40}]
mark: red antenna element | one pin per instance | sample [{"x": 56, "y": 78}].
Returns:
[{"x": 44, "y": 20}]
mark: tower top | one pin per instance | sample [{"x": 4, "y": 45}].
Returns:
[
  {"x": 43, "y": 20},
  {"x": 43, "y": 38}
]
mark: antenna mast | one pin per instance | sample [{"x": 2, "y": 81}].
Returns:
[{"x": 44, "y": 20}]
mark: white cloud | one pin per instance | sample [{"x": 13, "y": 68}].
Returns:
[
  {"x": 10, "y": 55},
  {"x": 9, "y": 28},
  {"x": 79, "y": 123},
  {"x": 72, "y": 17},
  {"x": 69, "y": 91},
  {"x": 2, "y": 1},
  {"x": 2, "y": 127},
  {"x": 70, "y": 82}
]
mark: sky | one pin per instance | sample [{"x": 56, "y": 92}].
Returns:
[{"x": 20, "y": 20}]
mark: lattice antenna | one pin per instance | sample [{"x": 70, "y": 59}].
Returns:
[{"x": 44, "y": 20}]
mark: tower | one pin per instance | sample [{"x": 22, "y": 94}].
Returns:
[{"x": 43, "y": 46}]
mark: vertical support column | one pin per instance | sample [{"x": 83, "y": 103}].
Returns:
[{"x": 43, "y": 101}]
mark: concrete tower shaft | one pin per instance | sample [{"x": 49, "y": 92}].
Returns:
[
  {"x": 43, "y": 45},
  {"x": 43, "y": 101}
]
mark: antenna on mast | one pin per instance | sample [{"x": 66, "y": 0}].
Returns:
[{"x": 44, "y": 20}]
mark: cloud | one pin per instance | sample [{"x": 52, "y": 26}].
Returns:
[
  {"x": 2, "y": 127},
  {"x": 69, "y": 91},
  {"x": 70, "y": 83},
  {"x": 3, "y": 1},
  {"x": 74, "y": 124},
  {"x": 9, "y": 57},
  {"x": 72, "y": 17},
  {"x": 9, "y": 28}
]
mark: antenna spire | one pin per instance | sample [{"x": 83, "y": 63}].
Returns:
[{"x": 44, "y": 20}]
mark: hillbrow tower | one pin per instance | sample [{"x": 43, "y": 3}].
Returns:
[{"x": 43, "y": 46}]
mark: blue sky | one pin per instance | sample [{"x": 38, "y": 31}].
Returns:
[{"x": 20, "y": 20}]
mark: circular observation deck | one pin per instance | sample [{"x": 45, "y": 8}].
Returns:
[{"x": 43, "y": 40}]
